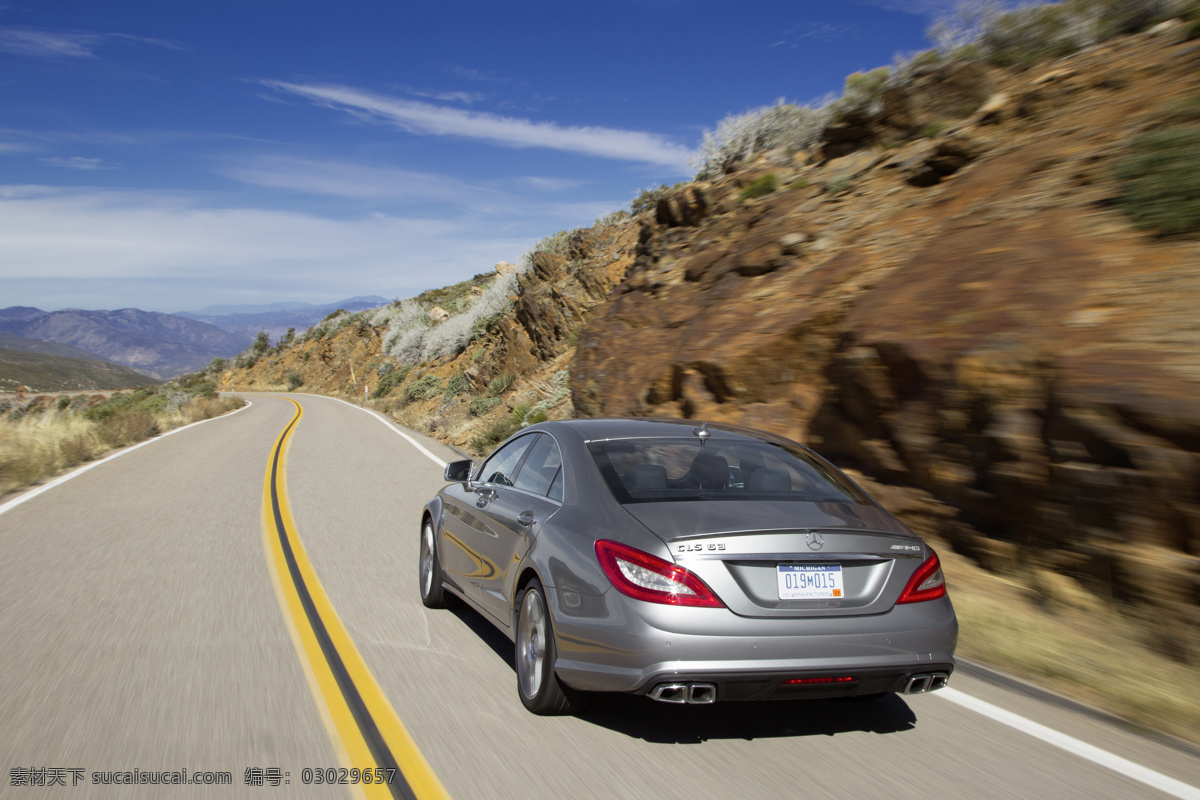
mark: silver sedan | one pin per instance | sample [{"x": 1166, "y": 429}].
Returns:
[{"x": 687, "y": 562}]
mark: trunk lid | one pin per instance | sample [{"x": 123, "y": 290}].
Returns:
[{"x": 788, "y": 558}]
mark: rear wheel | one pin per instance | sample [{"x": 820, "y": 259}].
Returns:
[
  {"x": 433, "y": 594},
  {"x": 540, "y": 689}
]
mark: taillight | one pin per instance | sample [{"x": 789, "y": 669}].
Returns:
[
  {"x": 927, "y": 583},
  {"x": 650, "y": 578}
]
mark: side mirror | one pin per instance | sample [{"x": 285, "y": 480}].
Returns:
[{"x": 459, "y": 471}]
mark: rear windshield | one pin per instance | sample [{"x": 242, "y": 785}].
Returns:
[{"x": 654, "y": 470}]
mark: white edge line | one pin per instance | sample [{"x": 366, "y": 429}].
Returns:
[
  {"x": 1082, "y": 749},
  {"x": 382, "y": 419},
  {"x": 11, "y": 504}
]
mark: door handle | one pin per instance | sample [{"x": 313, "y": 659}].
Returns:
[{"x": 525, "y": 518}]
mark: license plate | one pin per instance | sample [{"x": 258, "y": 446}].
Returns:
[{"x": 810, "y": 581}]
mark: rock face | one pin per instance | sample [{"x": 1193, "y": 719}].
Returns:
[{"x": 964, "y": 317}]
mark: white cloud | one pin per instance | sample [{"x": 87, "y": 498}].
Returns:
[
  {"x": 348, "y": 179},
  {"x": 35, "y": 43},
  {"x": 922, "y": 8},
  {"x": 172, "y": 251},
  {"x": 47, "y": 44},
  {"x": 549, "y": 184},
  {"x": 466, "y": 98},
  {"x": 77, "y": 162},
  {"x": 428, "y": 119}
]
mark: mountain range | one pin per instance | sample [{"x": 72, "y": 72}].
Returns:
[
  {"x": 158, "y": 345},
  {"x": 276, "y": 318}
]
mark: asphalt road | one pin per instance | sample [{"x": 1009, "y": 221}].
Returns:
[{"x": 142, "y": 627}]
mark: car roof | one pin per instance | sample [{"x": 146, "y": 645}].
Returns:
[{"x": 594, "y": 430}]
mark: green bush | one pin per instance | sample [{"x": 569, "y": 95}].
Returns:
[
  {"x": 501, "y": 384},
  {"x": 389, "y": 379},
  {"x": 861, "y": 89},
  {"x": 262, "y": 343},
  {"x": 762, "y": 185},
  {"x": 482, "y": 405},
  {"x": 456, "y": 385},
  {"x": 423, "y": 388},
  {"x": 122, "y": 403},
  {"x": 932, "y": 129},
  {"x": 647, "y": 199},
  {"x": 294, "y": 381},
  {"x": 838, "y": 185},
  {"x": 497, "y": 432},
  {"x": 1162, "y": 180}
]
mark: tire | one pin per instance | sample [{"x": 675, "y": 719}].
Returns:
[
  {"x": 429, "y": 573},
  {"x": 536, "y": 654}
]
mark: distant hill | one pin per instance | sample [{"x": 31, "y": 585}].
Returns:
[
  {"x": 44, "y": 372},
  {"x": 12, "y": 341},
  {"x": 158, "y": 345},
  {"x": 276, "y": 318}
]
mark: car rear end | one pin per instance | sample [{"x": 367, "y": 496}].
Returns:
[{"x": 783, "y": 580}]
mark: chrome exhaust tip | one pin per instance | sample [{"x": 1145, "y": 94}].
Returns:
[
  {"x": 938, "y": 680},
  {"x": 670, "y": 693},
  {"x": 701, "y": 693},
  {"x": 918, "y": 684}
]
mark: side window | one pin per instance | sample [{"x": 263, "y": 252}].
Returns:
[
  {"x": 500, "y": 467},
  {"x": 542, "y": 466},
  {"x": 556, "y": 492}
]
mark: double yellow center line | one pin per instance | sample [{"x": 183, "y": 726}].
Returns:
[{"x": 366, "y": 731}]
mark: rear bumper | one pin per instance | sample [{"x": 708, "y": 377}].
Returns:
[
  {"x": 775, "y": 686},
  {"x": 624, "y": 645}
]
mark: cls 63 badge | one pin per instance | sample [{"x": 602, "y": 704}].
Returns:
[{"x": 696, "y": 548}]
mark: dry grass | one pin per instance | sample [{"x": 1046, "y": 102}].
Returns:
[
  {"x": 38, "y": 446},
  {"x": 1074, "y": 644}
]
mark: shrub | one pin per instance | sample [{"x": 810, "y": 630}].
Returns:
[
  {"x": 762, "y": 185},
  {"x": 838, "y": 185},
  {"x": 294, "y": 381},
  {"x": 1162, "y": 177},
  {"x": 739, "y": 137},
  {"x": 456, "y": 385},
  {"x": 647, "y": 199},
  {"x": 861, "y": 90},
  {"x": 261, "y": 343},
  {"x": 612, "y": 218},
  {"x": 556, "y": 243},
  {"x": 390, "y": 380},
  {"x": 423, "y": 388},
  {"x": 495, "y": 433},
  {"x": 122, "y": 429},
  {"x": 482, "y": 405},
  {"x": 932, "y": 129},
  {"x": 215, "y": 366},
  {"x": 63, "y": 402},
  {"x": 501, "y": 384},
  {"x": 1023, "y": 36}
]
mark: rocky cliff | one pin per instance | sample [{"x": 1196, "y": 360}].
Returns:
[
  {"x": 944, "y": 295},
  {"x": 966, "y": 317}
]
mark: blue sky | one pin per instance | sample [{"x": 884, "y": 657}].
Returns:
[{"x": 174, "y": 155}]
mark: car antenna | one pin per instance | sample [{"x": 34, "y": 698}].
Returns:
[{"x": 702, "y": 432}]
